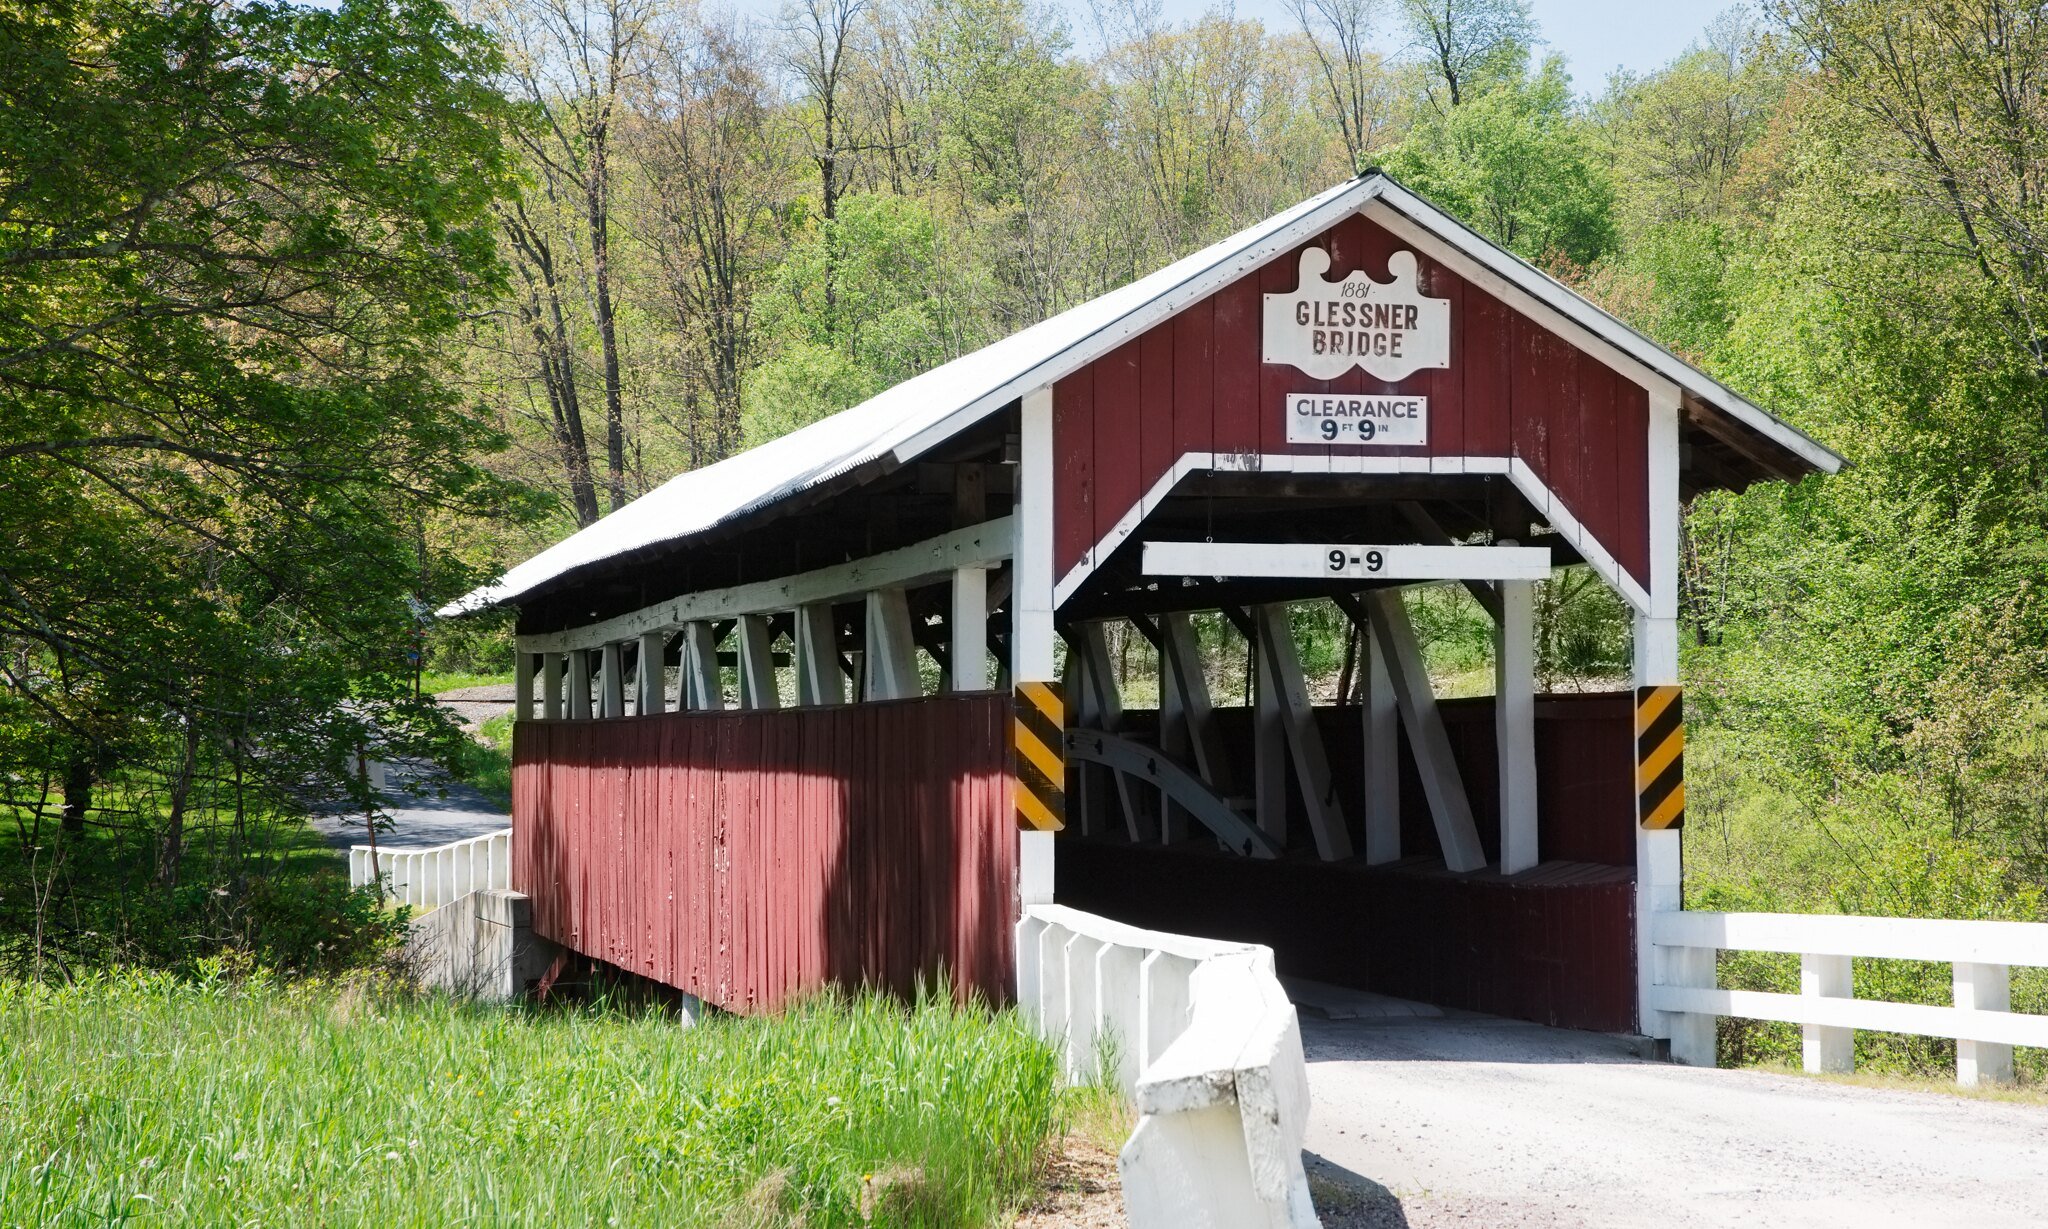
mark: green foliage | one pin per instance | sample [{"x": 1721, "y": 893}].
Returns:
[
  {"x": 1514, "y": 164},
  {"x": 263, "y": 893},
  {"x": 852, "y": 310},
  {"x": 356, "y": 1103},
  {"x": 235, "y": 241}
]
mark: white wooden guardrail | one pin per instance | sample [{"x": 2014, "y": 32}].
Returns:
[
  {"x": 1205, "y": 1042},
  {"x": 1981, "y": 1021},
  {"x": 429, "y": 878}
]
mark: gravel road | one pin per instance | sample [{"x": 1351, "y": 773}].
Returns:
[{"x": 1474, "y": 1121}]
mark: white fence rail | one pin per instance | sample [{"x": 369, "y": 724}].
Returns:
[
  {"x": 1202, "y": 1037},
  {"x": 429, "y": 878},
  {"x": 1982, "y": 1023}
]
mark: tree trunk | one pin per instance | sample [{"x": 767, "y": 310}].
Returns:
[
  {"x": 173, "y": 848},
  {"x": 78, "y": 778},
  {"x": 599, "y": 198}
]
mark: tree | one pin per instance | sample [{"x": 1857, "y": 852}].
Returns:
[
  {"x": 1957, "y": 90},
  {"x": 233, "y": 241},
  {"x": 821, "y": 41},
  {"x": 1356, "y": 85},
  {"x": 1469, "y": 46},
  {"x": 702, "y": 137},
  {"x": 572, "y": 62},
  {"x": 1515, "y": 164}
]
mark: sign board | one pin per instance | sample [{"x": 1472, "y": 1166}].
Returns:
[
  {"x": 1333, "y": 561},
  {"x": 1326, "y": 328},
  {"x": 1341, "y": 418}
]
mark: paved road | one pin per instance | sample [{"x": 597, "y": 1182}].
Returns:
[
  {"x": 1475, "y": 1121},
  {"x": 436, "y": 810}
]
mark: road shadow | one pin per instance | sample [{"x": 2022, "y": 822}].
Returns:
[{"x": 1348, "y": 1200}]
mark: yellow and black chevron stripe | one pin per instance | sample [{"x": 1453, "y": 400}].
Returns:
[
  {"x": 1038, "y": 756},
  {"x": 1660, "y": 757}
]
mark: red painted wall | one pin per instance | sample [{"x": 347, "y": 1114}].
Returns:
[
  {"x": 1556, "y": 946},
  {"x": 748, "y": 856},
  {"x": 1195, "y": 383}
]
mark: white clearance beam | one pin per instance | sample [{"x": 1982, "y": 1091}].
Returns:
[{"x": 1338, "y": 561}]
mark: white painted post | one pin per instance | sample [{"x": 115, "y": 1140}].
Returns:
[
  {"x": 1825, "y": 1047},
  {"x": 891, "y": 652},
  {"x": 1660, "y": 883},
  {"x": 1081, "y": 1016},
  {"x": 1382, "y": 721},
  {"x": 612, "y": 684},
  {"x": 1983, "y": 987},
  {"x": 1282, "y": 665},
  {"x": 1514, "y": 723},
  {"x": 552, "y": 667},
  {"x": 1031, "y": 602},
  {"x": 705, "y": 691},
  {"x": 1693, "y": 1034},
  {"x": 579, "y": 685},
  {"x": 1165, "y": 1003},
  {"x": 522, "y": 686},
  {"x": 1269, "y": 745},
  {"x": 818, "y": 677},
  {"x": 967, "y": 657},
  {"x": 757, "y": 664},
  {"x": 651, "y": 674},
  {"x": 1119, "y": 1011},
  {"x": 1449, "y": 808}
]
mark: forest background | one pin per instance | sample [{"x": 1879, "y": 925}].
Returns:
[{"x": 309, "y": 319}]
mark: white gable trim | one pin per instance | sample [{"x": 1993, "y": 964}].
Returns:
[
  {"x": 1155, "y": 311},
  {"x": 1546, "y": 503},
  {"x": 1543, "y": 298}
]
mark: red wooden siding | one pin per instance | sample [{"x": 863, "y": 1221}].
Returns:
[
  {"x": 1195, "y": 384},
  {"x": 1555, "y": 945},
  {"x": 748, "y": 856}
]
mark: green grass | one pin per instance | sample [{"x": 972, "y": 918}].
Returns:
[
  {"x": 486, "y": 761},
  {"x": 149, "y": 1099},
  {"x": 433, "y": 683}
]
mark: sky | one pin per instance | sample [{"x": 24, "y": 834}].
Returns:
[{"x": 1595, "y": 36}]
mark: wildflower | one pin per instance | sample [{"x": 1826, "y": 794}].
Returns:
[
  {"x": 831, "y": 1103},
  {"x": 148, "y": 1162},
  {"x": 391, "y": 1156}
]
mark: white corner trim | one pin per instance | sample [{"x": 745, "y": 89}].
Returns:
[{"x": 1532, "y": 488}]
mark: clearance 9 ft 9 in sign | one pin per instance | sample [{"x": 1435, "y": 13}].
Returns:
[{"x": 1372, "y": 421}]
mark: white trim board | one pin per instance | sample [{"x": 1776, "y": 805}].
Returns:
[
  {"x": 922, "y": 563},
  {"x": 1345, "y": 561},
  {"x": 1517, "y": 470}
]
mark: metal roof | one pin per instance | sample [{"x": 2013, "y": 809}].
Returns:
[{"x": 907, "y": 420}]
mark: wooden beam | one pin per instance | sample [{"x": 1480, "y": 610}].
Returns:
[
  {"x": 611, "y": 674},
  {"x": 1427, "y": 529},
  {"x": 922, "y": 563},
  {"x": 1344, "y": 561},
  {"x": 522, "y": 686},
  {"x": 1514, "y": 724},
  {"x": 651, "y": 674},
  {"x": 700, "y": 667},
  {"x": 579, "y": 685},
  {"x": 553, "y": 668},
  {"x": 1269, "y": 744},
  {"x": 1449, "y": 808},
  {"x": 819, "y": 679},
  {"x": 1280, "y": 661},
  {"x": 1111, "y": 753},
  {"x": 891, "y": 651},
  {"x": 757, "y": 665},
  {"x": 967, "y": 621},
  {"x": 1382, "y": 751}
]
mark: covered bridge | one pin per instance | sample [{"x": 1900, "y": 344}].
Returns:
[{"x": 834, "y": 708}]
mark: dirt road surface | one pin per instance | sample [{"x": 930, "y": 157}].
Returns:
[{"x": 1475, "y": 1121}]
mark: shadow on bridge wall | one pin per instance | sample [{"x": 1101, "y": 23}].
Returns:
[{"x": 746, "y": 857}]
